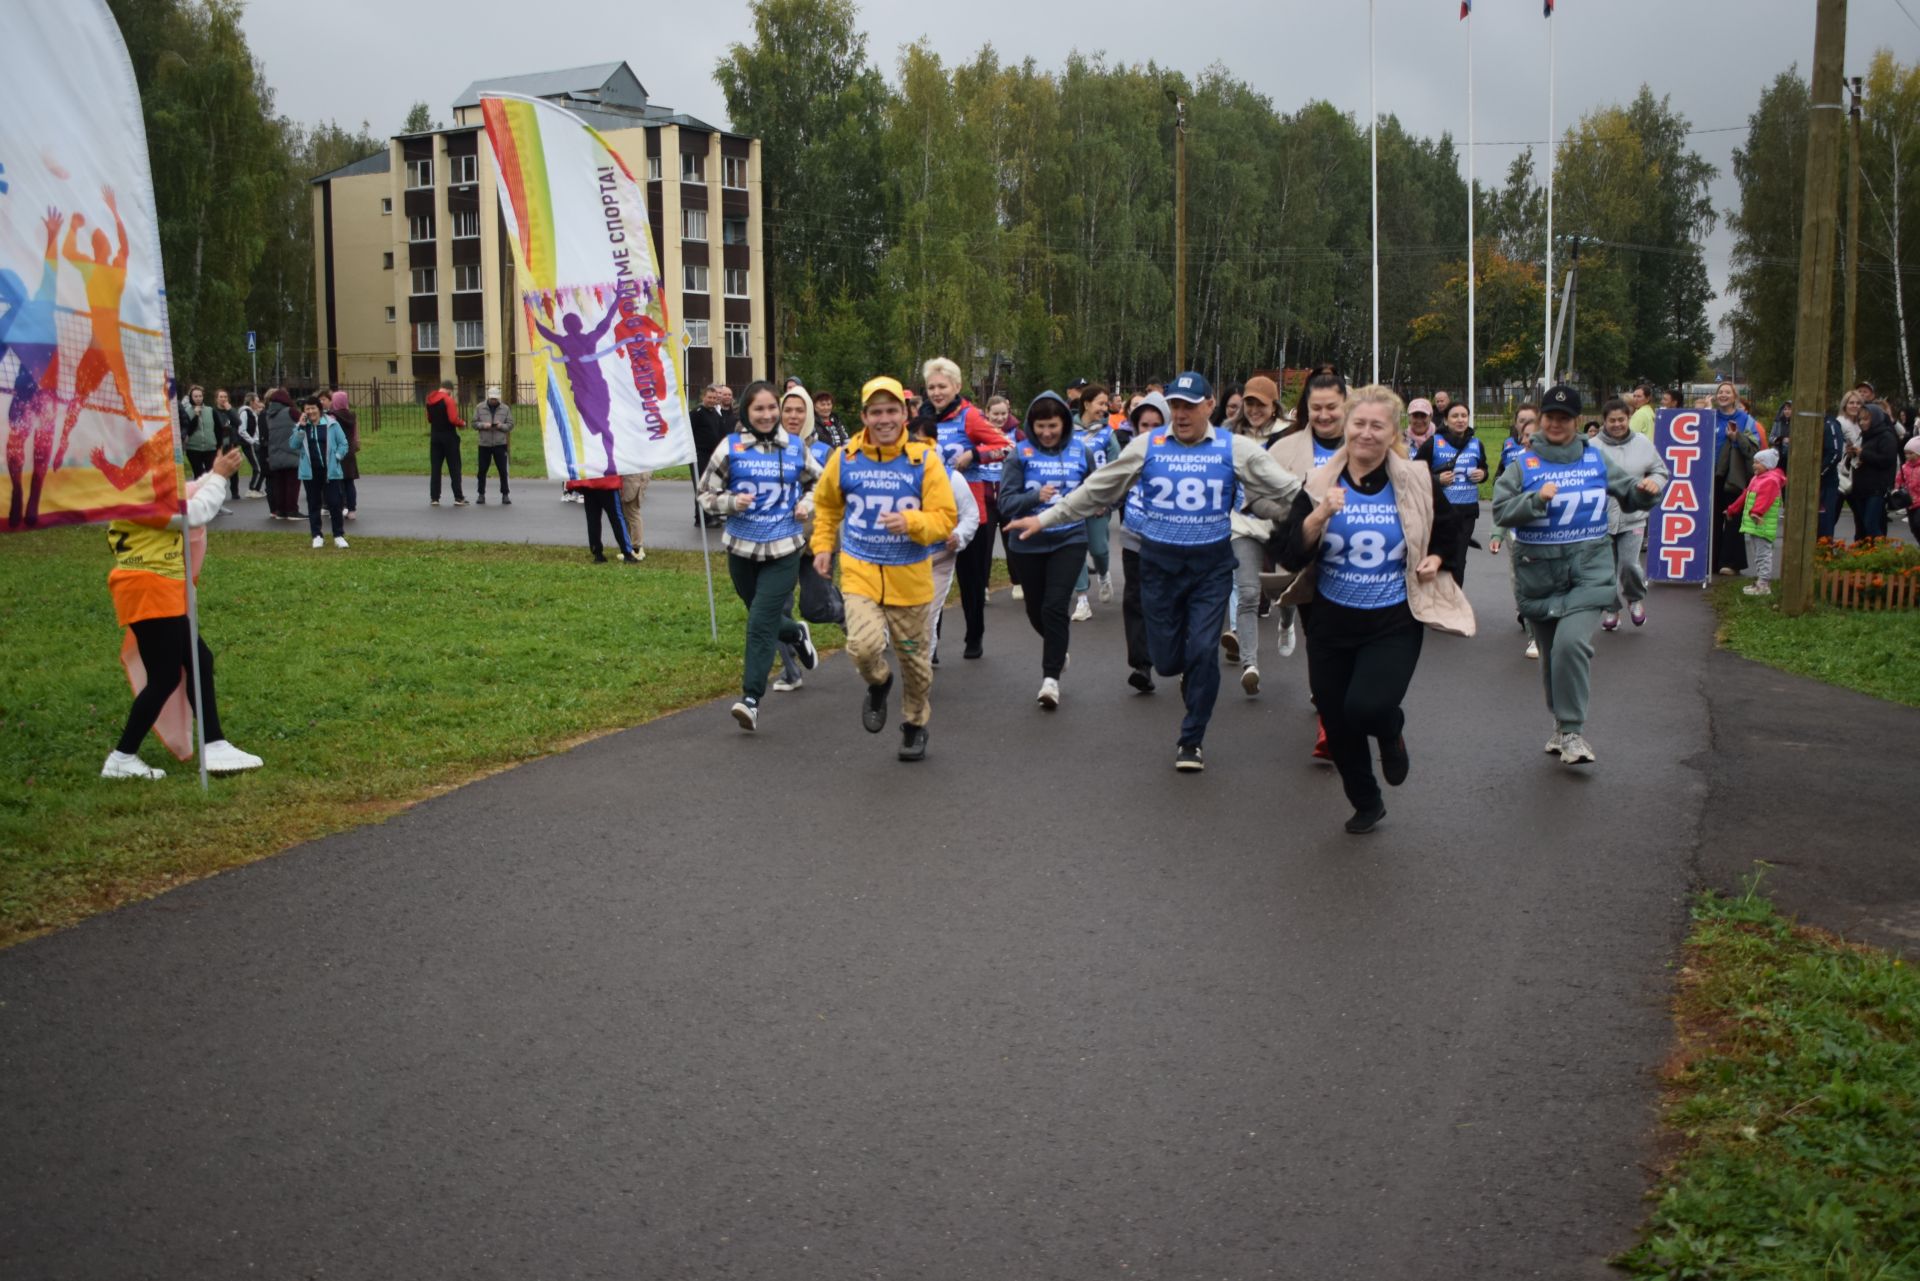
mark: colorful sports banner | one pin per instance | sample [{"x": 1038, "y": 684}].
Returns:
[
  {"x": 1680, "y": 531},
  {"x": 596, "y": 315},
  {"x": 84, "y": 359}
]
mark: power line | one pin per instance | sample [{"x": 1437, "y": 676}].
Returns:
[{"x": 1908, "y": 12}]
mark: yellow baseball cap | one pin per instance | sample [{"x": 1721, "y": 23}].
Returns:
[{"x": 875, "y": 386}]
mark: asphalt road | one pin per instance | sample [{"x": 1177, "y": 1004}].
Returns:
[{"x": 687, "y": 1003}]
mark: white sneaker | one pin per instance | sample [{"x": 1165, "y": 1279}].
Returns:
[
  {"x": 748, "y": 714},
  {"x": 1230, "y": 646},
  {"x": 1533, "y": 650},
  {"x": 1250, "y": 680},
  {"x": 339, "y": 542},
  {"x": 639, "y": 553},
  {"x": 121, "y": 765},
  {"x": 1289, "y": 640},
  {"x": 1082, "y": 611},
  {"x": 1574, "y": 750},
  {"x": 1553, "y": 744},
  {"x": 1106, "y": 587},
  {"x": 785, "y": 686},
  {"x": 224, "y": 758},
  {"x": 1018, "y": 592},
  {"x": 318, "y": 542},
  {"x": 1049, "y": 696}
]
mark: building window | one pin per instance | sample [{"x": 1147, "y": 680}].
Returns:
[
  {"x": 419, "y": 174},
  {"x": 391, "y": 316},
  {"x": 466, "y": 170},
  {"x": 733, "y": 172},
  {"x": 693, "y": 166},
  {"x": 393, "y": 366},
  {"x": 693, "y": 224},
  {"x": 468, "y": 335},
  {"x": 736, "y": 282},
  {"x": 466, "y": 278},
  {"x": 386, "y": 204},
  {"x": 693, "y": 277},
  {"x": 737, "y": 339},
  {"x": 466, "y": 224},
  {"x": 386, "y": 262},
  {"x": 653, "y": 169},
  {"x": 733, "y": 231},
  {"x": 420, "y": 228},
  {"x": 426, "y": 336},
  {"x": 424, "y": 285},
  {"x": 698, "y": 334}
]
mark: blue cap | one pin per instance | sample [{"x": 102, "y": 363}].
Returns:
[{"x": 1190, "y": 386}]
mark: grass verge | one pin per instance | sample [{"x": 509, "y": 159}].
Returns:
[
  {"x": 1796, "y": 1096},
  {"x": 1867, "y": 651},
  {"x": 399, "y": 448},
  {"x": 368, "y": 679}
]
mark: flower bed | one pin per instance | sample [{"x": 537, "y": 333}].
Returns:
[{"x": 1875, "y": 574}]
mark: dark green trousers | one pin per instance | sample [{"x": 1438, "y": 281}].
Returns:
[{"x": 766, "y": 587}]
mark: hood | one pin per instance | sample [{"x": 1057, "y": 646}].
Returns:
[
  {"x": 1044, "y": 397},
  {"x": 1607, "y": 442},
  {"x": 279, "y": 396},
  {"x": 806, "y": 398},
  {"x": 1152, "y": 400}
]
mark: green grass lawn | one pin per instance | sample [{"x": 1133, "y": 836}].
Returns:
[
  {"x": 399, "y": 447},
  {"x": 367, "y": 679},
  {"x": 1796, "y": 1095},
  {"x": 1875, "y": 653}
]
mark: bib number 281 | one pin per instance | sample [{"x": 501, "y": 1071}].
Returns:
[{"x": 1189, "y": 494}]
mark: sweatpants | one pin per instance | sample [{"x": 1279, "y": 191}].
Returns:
[
  {"x": 869, "y": 625},
  {"x": 974, "y": 568},
  {"x": 1358, "y": 691},
  {"x": 633, "y": 493},
  {"x": 1566, "y": 665},
  {"x": 1047, "y": 580},
  {"x": 443, "y": 449},
  {"x": 1466, "y": 518},
  {"x": 163, "y": 652},
  {"x": 1629, "y": 567},
  {"x": 1249, "y": 556},
  {"x": 1099, "y": 539},
  {"x": 605, "y": 502},
  {"x": 1760, "y": 557},
  {"x": 943, "y": 564},
  {"x": 283, "y": 491},
  {"x": 1729, "y": 553},
  {"x": 330, "y": 493},
  {"x": 494, "y": 456},
  {"x": 1132, "y": 617},
  {"x": 256, "y": 474},
  {"x": 766, "y": 588},
  {"x": 1183, "y": 595}
]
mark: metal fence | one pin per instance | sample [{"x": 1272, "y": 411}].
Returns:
[{"x": 401, "y": 399}]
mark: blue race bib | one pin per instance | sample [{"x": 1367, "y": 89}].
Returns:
[
  {"x": 773, "y": 479},
  {"x": 1363, "y": 553},
  {"x": 1578, "y": 510},
  {"x": 872, "y": 489},
  {"x": 1462, "y": 492},
  {"x": 1187, "y": 492},
  {"x": 1065, "y": 470}
]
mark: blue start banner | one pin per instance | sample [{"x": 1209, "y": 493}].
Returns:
[{"x": 1680, "y": 532}]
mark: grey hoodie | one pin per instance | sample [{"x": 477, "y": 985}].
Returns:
[
  {"x": 1637, "y": 457},
  {"x": 1130, "y": 541}
]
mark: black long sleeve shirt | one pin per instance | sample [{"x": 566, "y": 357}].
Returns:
[{"x": 1331, "y": 623}]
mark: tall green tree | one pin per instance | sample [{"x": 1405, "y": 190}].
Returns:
[{"x": 1771, "y": 169}]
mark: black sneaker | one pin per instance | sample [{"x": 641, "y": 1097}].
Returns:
[
  {"x": 481, "y": 499},
  {"x": 1365, "y": 820},
  {"x": 1188, "y": 760},
  {"x": 971, "y": 651},
  {"x": 913, "y": 742},
  {"x": 935, "y": 660},
  {"x": 599, "y": 558},
  {"x": 803, "y": 647},
  {"x": 1393, "y": 761},
  {"x": 505, "y": 501},
  {"x": 873, "y": 708},
  {"x": 1141, "y": 678}
]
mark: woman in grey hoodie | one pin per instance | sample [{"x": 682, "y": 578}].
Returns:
[{"x": 1634, "y": 455}]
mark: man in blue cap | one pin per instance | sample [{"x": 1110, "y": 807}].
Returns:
[{"x": 1191, "y": 479}]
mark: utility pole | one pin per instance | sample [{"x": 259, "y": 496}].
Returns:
[
  {"x": 1815, "y": 327},
  {"x": 1179, "y": 232},
  {"x": 1848, "y": 372}
]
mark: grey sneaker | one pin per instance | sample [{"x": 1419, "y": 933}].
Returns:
[
  {"x": 747, "y": 712},
  {"x": 1574, "y": 750},
  {"x": 1554, "y": 744}
]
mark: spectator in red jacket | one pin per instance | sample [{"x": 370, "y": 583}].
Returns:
[{"x": 443, "y": 440}]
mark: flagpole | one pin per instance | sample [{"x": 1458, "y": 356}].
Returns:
[
  {"x": 1373, "y": 136},
  {"x": 193, "y": 620},
  {"x": 1473, "y": 403},
  {"x": 1546, "y": 328}
]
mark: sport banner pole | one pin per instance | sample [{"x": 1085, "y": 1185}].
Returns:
[
  {"x": 693, "y": 470},
  {"x": 1373, "y": 142},
  {"x": 1546, "y": 324},
  {"x": 1473, "y": 402}
]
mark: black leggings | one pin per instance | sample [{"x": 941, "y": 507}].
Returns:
[
  {"x": 973, "y": 567},
  {"x": 1046, "y": 579},
  {"x": 1131, "y": 615},
  {"x": 163, "y": 652},
  {"x": 1358, "y": 691}
]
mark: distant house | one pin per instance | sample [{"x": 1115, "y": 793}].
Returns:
[{"x": 415, "y": 281}]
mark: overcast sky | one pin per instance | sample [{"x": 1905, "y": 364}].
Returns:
[{"x": 354, "y": 60}]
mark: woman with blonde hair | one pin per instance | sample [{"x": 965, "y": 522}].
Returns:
[{"x": 974, "y": 449}]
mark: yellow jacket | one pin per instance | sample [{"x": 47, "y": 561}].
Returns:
[{"x": 930, "y": 524}]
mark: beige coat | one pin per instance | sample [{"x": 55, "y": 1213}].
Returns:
[
  {"x": 1439, "y": 604},
  {"x": 1293, "y": 451}
]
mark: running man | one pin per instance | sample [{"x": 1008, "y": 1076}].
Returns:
[
  {"x": 885, "y": 502},
  {"x": 1192, "y": 477}
]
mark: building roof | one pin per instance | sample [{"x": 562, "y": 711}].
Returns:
[
  {"x": 379, "y": 162},
  {"x": 593, "y": 84}
]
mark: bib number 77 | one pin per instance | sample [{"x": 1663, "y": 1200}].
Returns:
[{"x": 1565, "y": 505}]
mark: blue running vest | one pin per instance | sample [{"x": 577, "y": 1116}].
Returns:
[
  {"x": 774, "y": 481},
  {"x": 1065, "y": 469},
  {"x": 1578, "y": 511},
  {"x": 951, "y": 433},
  {"x": 1187, "y": 492},
  {"x": 1462, "y": 492},
  {"x": 1363, "y": 553},
  {"x": 871, "y": 489}
]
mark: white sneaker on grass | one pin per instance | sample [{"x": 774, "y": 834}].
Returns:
[
  {"x": 1049, "y": 696},
  {"x": 339, "y": 542},
  {"x": 224, "y": 758},
  {"x": 1082, "y": 611},
  {"x": 318, "y": 542},
  {"x": 121, "y": 765}
]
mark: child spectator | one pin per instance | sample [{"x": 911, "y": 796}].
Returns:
[{"x": 1758, "y": 507}]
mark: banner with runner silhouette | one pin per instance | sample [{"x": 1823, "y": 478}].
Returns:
[
  {"x": 596, "y": 315},
  {"x": 84, "y": 360}
]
